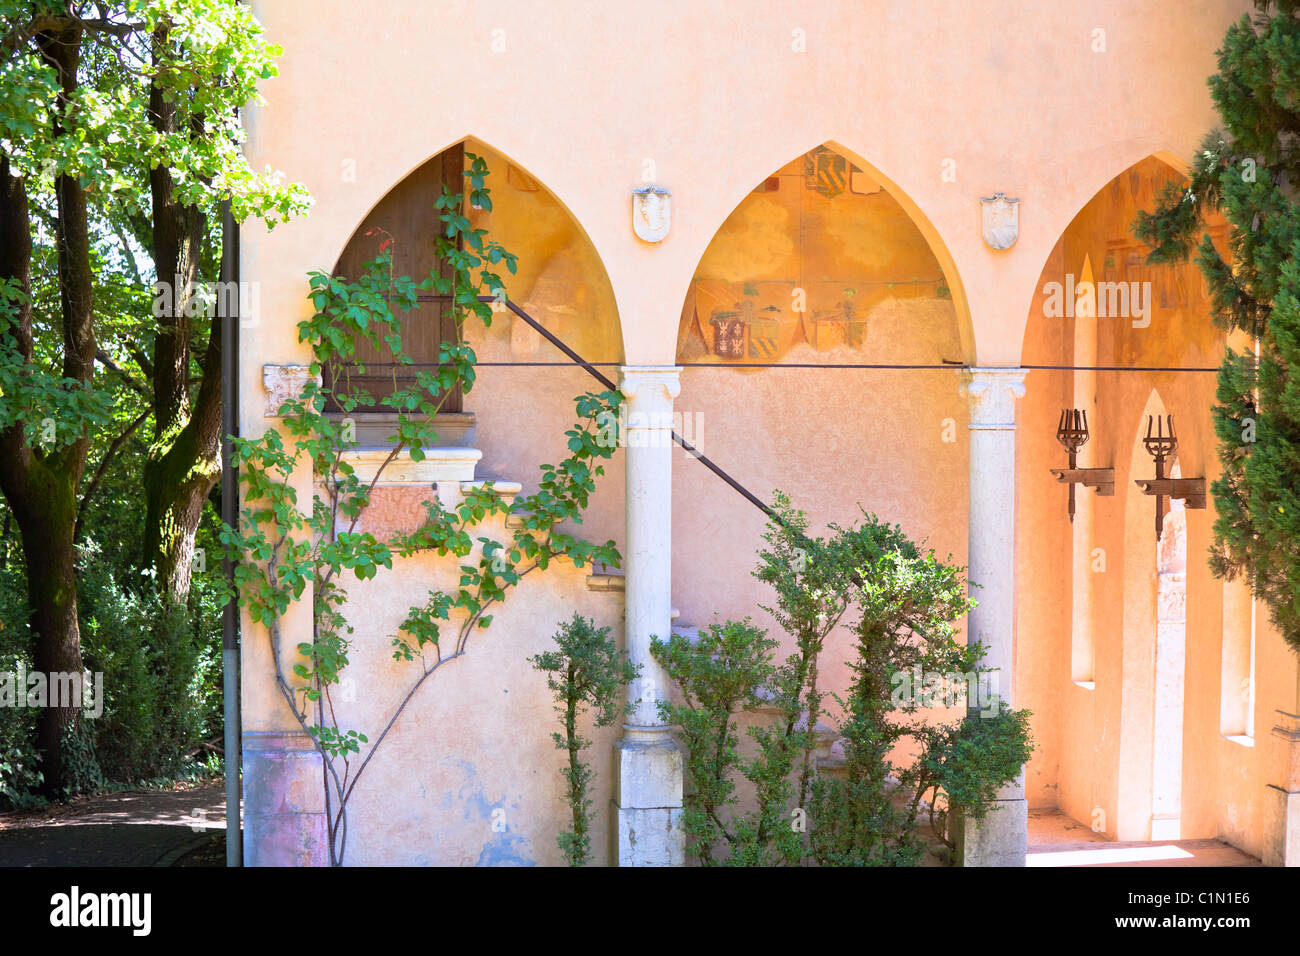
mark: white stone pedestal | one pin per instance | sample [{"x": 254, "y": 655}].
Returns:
[
  {"x": 1001, "y": 838},
  {"x": 647, "y": 801},
  {"x": 1282, "y": 795}
]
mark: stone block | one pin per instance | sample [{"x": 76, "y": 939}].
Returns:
[{"x": 1000, "y": 839}]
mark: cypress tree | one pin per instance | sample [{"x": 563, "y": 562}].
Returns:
[{"x": 1249, "y": 171}]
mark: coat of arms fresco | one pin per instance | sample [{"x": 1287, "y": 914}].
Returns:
[{"x": 798, "y": 269}]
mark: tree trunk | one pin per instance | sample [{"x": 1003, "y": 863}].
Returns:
[
  {"x": 184, "y": 460},
  {"x": 45, "y": 520},
  {"x": 178, "y": 477},
  {"x": 41, "y": 487}
]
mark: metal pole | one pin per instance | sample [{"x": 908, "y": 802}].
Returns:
[{"x": 229, "y": 319}]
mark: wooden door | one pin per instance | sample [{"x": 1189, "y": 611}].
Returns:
[{"x": 407, "y": 215}]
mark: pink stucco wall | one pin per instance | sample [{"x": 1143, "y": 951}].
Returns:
[{"x": 1002, "y": 97}]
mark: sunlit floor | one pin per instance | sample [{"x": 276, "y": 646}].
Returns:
[{"x": 1057, "y": 840}]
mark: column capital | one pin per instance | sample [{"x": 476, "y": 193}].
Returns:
[
  {"x": 650, "y": 384},
  {"x": 284, "y": 382},
  {"x": 992, "y": 393}
]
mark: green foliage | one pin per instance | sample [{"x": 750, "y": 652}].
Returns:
[
  {"x": 725, "y": 670},
  {"x": 585, "y": 672},
  {"x": 280, "y": 547},
  {"x": 813, "y": 581},
  {"x": 969, "y": 761},
  {"x": 161, "y": 683},
  {"x": 79, "y": 392},
  {"x": 1248, "y": 171},
  {"x": 82, "y": 772},
  {"x": 162, "y": 670},
  {"x": 205, "y": 58},
  {"x": 908, "y": 605},
  {"x": 20, "y": 773},
  {"x": 905, "y": 605}
]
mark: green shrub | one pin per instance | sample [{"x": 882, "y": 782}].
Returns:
[
  {"x": 161, "y": 667},
  {"x": 724, "y": 671},
  {"x": 904, "y": 606},
  {"x": 585, "y": 671},
  {"x": 20, "y": 774}
]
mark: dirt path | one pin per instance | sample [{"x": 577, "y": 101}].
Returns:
[{"x": 134, "y": 828}]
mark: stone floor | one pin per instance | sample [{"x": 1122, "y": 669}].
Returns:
[
  {"x": 1057, "y": 840},
  {"x": 155, "y": 828},
  {"x": 135, "y": 828}
]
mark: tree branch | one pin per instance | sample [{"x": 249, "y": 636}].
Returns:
[
  {"x": 52, "y": 23},
  {"x": 84, "y": 505},
  {"x": 106, "y": 360}
]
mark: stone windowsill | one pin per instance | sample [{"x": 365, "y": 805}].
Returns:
[{"x": 438, "y": 464}]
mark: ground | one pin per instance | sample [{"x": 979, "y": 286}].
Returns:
[
  {"x": 134, "y": 828},
  {"x": 1057, "y": 840},
  {"x": 187, "y": 828}
]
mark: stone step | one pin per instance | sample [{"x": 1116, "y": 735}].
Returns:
[
  {"x": 603, "y": 577},
  {"x": 833, "y": 763}
]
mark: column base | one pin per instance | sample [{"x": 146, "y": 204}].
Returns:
[
  {"x": 1281, "y": 827},
  {"x": 1282, "y": 796},
  {"x": 651, "y": 837},
  {"x": 646, "y": 811},
  {"x": 284, "y": 803},
  {"x": 1000, "y": 839}
]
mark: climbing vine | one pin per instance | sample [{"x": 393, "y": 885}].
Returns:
[{"x": 282, "y": 548}]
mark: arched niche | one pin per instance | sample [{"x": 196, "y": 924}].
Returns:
[
  {"x": 1095, "y": 601},
  {"x": 825, "y": 262},
  {"x": 561, "y": 281},
  {"x": 822, "y": 268},
  {"x": 1152, "y": 667},
  {"x": 1143, "y": 315}
]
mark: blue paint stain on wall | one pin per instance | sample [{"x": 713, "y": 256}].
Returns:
[
  {"x": 504, "y": 848},
  {"x": 502, "y": 851}
]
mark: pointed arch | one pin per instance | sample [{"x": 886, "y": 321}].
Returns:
[
  {"x": 1100, "y": 232},
  {"x": 552, "y": 244},
  {"x": 795, "y": 265}
]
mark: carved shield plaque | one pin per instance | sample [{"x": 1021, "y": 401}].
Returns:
[
  {"x": 651, "y": 212},
  {"x": 1000, "y": 220}
]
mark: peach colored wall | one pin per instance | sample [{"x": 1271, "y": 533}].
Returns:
[
  {"x": 583, "y": 97},
  {"x": 469, "y": 775},
  {"x": 831, "y": 441},
  {"x": 1099, "y": 740}
]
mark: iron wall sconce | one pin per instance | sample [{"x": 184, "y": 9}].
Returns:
[
  {"x": 1161, "y": 448},
  {"x": 1072, "y": 432}
]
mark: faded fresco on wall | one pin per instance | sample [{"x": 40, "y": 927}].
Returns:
[
  {"x": 561, "y": 281},
  {"x": 818, "y": 264},
  {"x": 1147, "y": 315}
]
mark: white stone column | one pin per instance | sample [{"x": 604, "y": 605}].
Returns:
[
  {"x": 1001, "y": 838},
  {"x": 647, "y": 801}
]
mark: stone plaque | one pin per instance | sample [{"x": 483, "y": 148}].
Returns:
[{"x": 1000, "y": 220}]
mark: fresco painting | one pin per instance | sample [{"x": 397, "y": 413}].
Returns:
[{"x": 803, "y": 267}]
